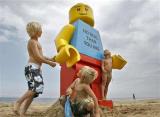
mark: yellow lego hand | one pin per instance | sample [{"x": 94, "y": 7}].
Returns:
[
  {"x": 118, "y": 62},
  {"x": 54, "y": 59},
  {"x": 67, "y": 54}
]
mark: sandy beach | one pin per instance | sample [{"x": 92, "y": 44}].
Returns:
[{"x": 135, "y": 108}]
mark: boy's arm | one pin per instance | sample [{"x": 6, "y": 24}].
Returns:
[
  {"x": 50, "y": 59},
  {"x": 69, "y": 89},
  {"x": 38, "y": 56},
  {"x": 92, "y": 95}
]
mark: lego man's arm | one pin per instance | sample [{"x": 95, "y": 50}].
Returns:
[
  {"x": 118, "y": 62},
  {"x": 66, "y": 52}
]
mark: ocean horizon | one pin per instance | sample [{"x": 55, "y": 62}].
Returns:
[
  {"x": 54, "y": 99},
  {"x": 38, "y": 100}
]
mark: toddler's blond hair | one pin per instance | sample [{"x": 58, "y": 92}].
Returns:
[
  {"x": 33, "y": 28},
  {"x": 89, "y": 74}
]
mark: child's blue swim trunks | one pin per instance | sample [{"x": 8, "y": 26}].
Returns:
[{"x": 34, "y": 78}]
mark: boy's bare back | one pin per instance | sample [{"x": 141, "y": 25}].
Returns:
[{"x": 80, "y": 89}]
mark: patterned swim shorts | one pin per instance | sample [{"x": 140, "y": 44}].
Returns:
[
  {"x": 34, "y": 79},
  {"x": 79, "y": 107}
]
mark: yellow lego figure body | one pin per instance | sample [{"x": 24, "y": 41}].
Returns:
[{"x": 66, "y": 52}]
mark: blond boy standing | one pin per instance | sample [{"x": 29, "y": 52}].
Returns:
[{"x": 33, "y": 72}]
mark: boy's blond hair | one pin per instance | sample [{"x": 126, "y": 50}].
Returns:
[
  {"x": 89, "y": 74},
  {"x": 33, "y": 28},
  {"x": 106, "y": 50}
]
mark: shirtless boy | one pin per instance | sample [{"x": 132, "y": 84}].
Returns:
[
  {"x": 33, "y": 69},
  {"x": 84, "y": 100},
  {"x": 106, "y": 72}
]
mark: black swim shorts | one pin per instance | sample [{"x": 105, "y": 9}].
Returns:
[{"x": 34, "y": 79}]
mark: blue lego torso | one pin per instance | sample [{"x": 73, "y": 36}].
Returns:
[{"x": 87, "y": 40}]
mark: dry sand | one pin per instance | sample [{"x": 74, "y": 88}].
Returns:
[{"x": 141, "y": 108}]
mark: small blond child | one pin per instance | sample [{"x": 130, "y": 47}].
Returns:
[
  {"x": 106, "y": 72},
  {"x": 33, "y": 71},
  {"x": 84, "y": 101}
]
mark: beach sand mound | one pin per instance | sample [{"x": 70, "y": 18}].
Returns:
[{"x": 56, "y": 110}]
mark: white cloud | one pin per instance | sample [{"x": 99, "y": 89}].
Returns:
[
  {"x": 12, "y": 25},
  {"x": 3, "y": 39}
]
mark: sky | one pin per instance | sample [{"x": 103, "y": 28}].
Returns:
[{"x": 130, "y": 28}]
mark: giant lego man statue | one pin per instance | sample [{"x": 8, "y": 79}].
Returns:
[{"x": 79, "y": 44}]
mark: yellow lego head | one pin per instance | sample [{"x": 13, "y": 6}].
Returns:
[{"x": 83, "y": 12}]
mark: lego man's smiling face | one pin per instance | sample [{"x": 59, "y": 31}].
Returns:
[
  {"x": 83, "y": 12},
  {"x": 82, "y": 9}
]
